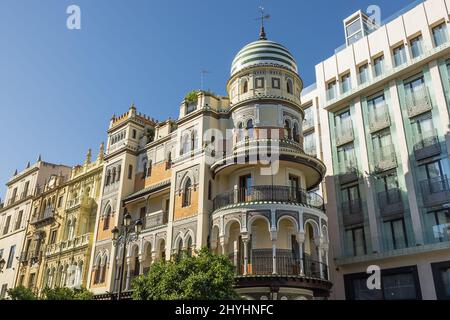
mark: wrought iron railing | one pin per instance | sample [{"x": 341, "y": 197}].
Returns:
[
  {"x": 48, "y": 214},
  {"x": 270, "y": 193},
  {"x": 436, "y": 185},
  {"x": 261, "y": 263}
]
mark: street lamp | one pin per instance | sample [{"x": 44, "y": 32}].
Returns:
[
  {"x": 2, "y": 265},
  {"x": 122, "y": 236}
]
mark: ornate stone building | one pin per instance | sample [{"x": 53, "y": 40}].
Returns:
[
  {"x": 230, "y": 173},
  {"x": 56, "y": 251}
]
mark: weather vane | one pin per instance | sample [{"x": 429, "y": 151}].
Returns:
[{"x": 262, "y": 33}]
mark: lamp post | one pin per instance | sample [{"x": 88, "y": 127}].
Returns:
[
  {"x": 2, "y": 265},
  {"x": 122, "y": 236}
]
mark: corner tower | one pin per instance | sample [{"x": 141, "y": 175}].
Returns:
[{"x": 267, "y": 219}]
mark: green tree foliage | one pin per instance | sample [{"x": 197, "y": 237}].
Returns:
[
  {"x": 66, "y": 294},
  {"x": 21, "y": 293},
  {"x": 204, "y": 276}
]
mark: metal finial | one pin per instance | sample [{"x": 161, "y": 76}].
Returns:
[{"x": 262, "y": 32}]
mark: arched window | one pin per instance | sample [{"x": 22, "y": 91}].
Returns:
[
  {"x": 107, "y": 218},
  {"x": 114, "y": 174},
  {"x": 250, "y": 129},
  {"x": 71, "y": 233},
  {"x": 187, "y": 193},
  {"x": 185, "y": 144},
  {"x": 245, "y": 87},
  {"x": 144, "y": 174},
  {"x": 194, "y": 140},
  {"x": 119, "y": 169},
  {"x": 287, "y": 130},
  {"x": 295, "y": 133},
  {"x": 97, "y": 270},
  {"x": 103, "y": 267},
  {"x": 239, "y": 135},
  {"x": 179, "y": 248},
  {"x": 289, "y": 86},
  {"x": 189, "y": 246}
]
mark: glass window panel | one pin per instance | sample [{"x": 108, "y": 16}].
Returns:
[
  {"x": 399, "y": 287},
  {"x": 349, "y": 242},
  {"x": 416, "y": 47},
  {"x": 445, "y": 277},
  {"x": 362, "y": 292},
  {"x": 399, "y": 55},
  {"x": 353, "y": 27},
  {"x": 440, "y": 34},
  {"x": 399, "y": 234},
  {"x": 363, "y": 74},
  {"x": 378, "y": 66},
  {"x": 359, "y": 242}
]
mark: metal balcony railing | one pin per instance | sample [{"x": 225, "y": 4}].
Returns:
[
  {"x": 390, "y": 203},
  {"x": 384, "y": 158},
  {"x": 418, "y": 101},
  {"x": 352, "y": 212},
  {"x": 48, "y": 214},
  {"x": 157, "y": 219},
  {"x": 283, "y": 194},
  {"x": 348, "y": 171},
  {"x": 435, "y": 191},
  {"x": 426, "y": 145},
  {"x": 379, "y": 118},
  {"x": 261, "y": 263}
]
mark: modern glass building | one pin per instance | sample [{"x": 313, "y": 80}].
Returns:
[{"x": 378, "y": 116}]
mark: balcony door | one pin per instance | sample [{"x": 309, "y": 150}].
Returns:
[
  {"x": 376, "y": 106},
  {"x": 245, "y": 188},
  {"x": 346, "y": 155},
  {"x": 351, "y": 196},
  {"x": 390, "y": 185},
  {"x": 436, "y": 178},
  {"x": 381, "y": 140},
  {"x": 294, "y": 187}
]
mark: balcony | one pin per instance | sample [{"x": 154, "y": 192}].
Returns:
[
  {"x": 23, "y": 258},
  {"x": 47, "y": 216},
  {"x": 156, "y": 219},
  {"x": 348, "y": 171},
  {"x": 384, "y": 159},
  {"x": 344, "y": 134},
  {"x": 261, "y": 263},
  {"x": 418, "y": 101},
  {"x": 379, "y": 118},
  {"x": 391, "y": 204},
  {"x": 426, "y": 145},
  {"x": 283, "y": 194},
  {"x": 67, "y": 245},
  {"x": 435, "y": 192},
  {"x": 352, "y": 213}
]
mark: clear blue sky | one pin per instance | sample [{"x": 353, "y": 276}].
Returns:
[{"x": 59, "y": 87}]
